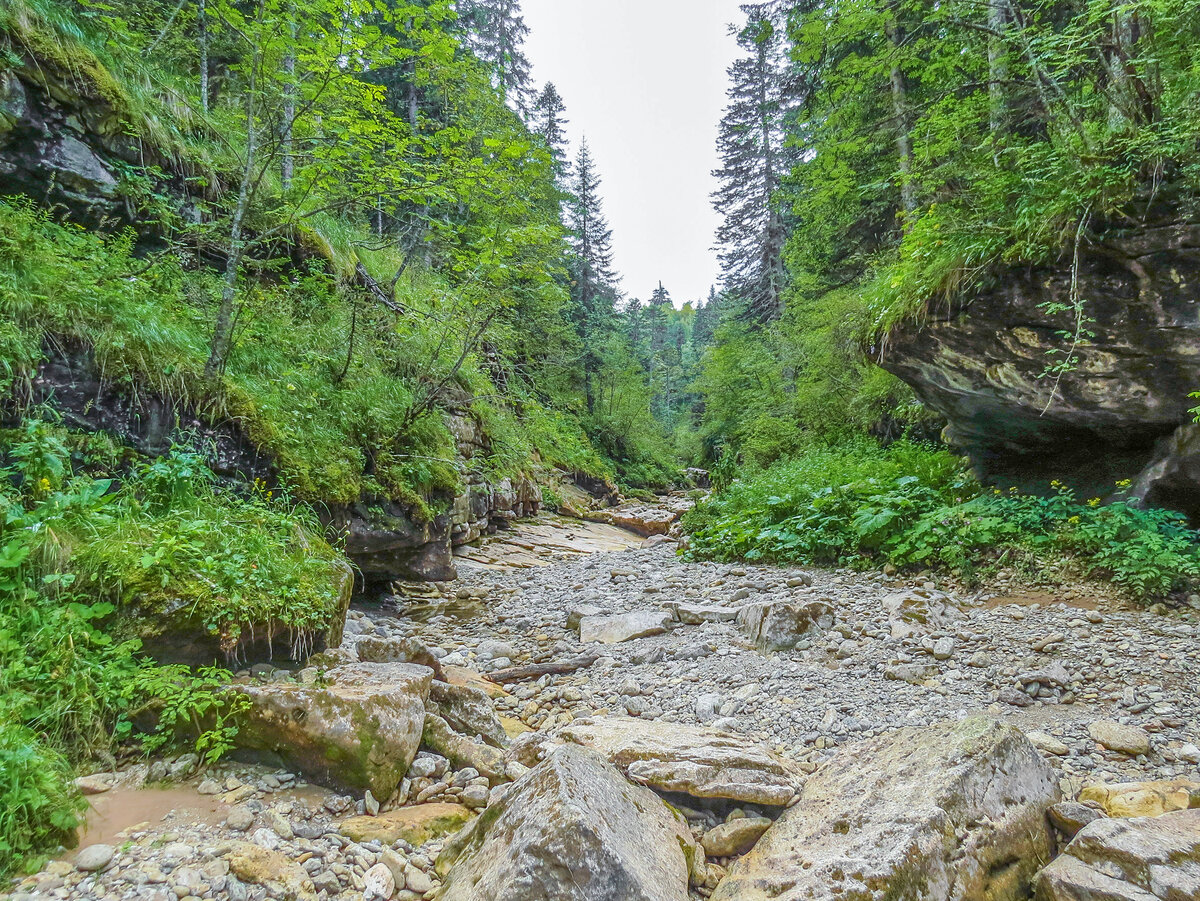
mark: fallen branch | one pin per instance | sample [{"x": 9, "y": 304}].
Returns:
[{"x": 537, "y": 670}]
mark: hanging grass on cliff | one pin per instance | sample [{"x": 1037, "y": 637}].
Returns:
[{"x": 863, "y": 505}]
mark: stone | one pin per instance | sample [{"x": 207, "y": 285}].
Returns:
[
  {"x": 93, "y": 785},
  {"x": 416, "y": 825},
  {"x": 282, "y": 879},
  {"x": 621, "y": 627},
  {"x": 943, "y": 648},
  {"x": 417, "y": 880},
  {"x": 1139, "y": 859},
  {"x": 1120, "y": 738},
  {"x": 1141, "y": 799},
  {"x": 954, "y": 812},
  {"x": 780, "y": 625},
  {"x": 912, "y": 673},
  {"x": 378, "y": 883},
  {"x": 918, "y": 611},
  {"x": 572, "y": 829},
  {"x": 576, "y": 614},
  {"x": 359, "y": 732},
  {"x": 468, "y": 711},
  {"x": 735, "y": 837},
  {"x": 698, "y": 614},
  {"x": 1044, "y": 741},
  {"x": 638, "y": 518},
  {"x": 1069, "y": 817},
  {"x": 94, "y": 858},
  {"x": 240, "y": 818},
  {"x": 461, "y": 750},
  {"x": 692, "y": 760},
  {"x": 373, "y": 649}
]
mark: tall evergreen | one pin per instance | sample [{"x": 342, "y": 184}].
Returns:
[
  {"x": 751, "y": 143},
  {"x": 495, "y": 31},
  {"x": 594, "y": 288},
  {"x": 549, "y": 119}
]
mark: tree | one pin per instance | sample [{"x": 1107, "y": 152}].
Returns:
[
  {"x": 751, "y": 144},
  {"x": 594, "y": 283},
  {"x": 292, "y": 86},
  {"x": 496, "y": 33},
  {"x": 549, "y": 120}
]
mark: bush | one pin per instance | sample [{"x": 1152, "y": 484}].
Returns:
[
  {"x": 863, "y": 505},
  {"x": 74, "y": 548}
]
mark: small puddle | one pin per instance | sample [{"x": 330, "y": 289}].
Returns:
[{"x": 111, "y": 813}]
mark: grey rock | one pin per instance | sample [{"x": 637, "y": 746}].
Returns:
[
  {"x": 572, "y": 829},
  {"x": 94, "y": 857},
  {"x": 950, "y": 813},
  {"x": 779, "y": 625}
]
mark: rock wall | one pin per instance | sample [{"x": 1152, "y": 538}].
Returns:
[{"x": 1123, "y": 410}]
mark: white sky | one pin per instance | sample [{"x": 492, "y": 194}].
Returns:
[{"x": 645, "y": 81}]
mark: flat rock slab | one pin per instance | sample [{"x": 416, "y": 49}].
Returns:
[
  {"x": 919, "y": 610},
  {"x": 703, "y": 763},
  {"x": 572, "y": 829},
  {"x": 1138, "y": 859},
  {"x": 955, "y": 812},
  {"x": 1141, "y": 799},
  {"x": 283, "y": 879},
  {"x": 415, "y": 825},
  {"x": 1120, "y": 738},
  {"x": 697, "y": 614},
  {"x": 621, "y": 627},
  {"x": 359, "y": 732}
]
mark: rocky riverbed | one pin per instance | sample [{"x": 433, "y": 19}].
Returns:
[{"x": 725, "y": 689}]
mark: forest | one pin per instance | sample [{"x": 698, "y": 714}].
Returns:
[{"x": 277, "y": 277}]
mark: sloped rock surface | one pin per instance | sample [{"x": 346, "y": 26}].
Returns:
[
  {"x": 951, "y": 812},
  {"x": 359, "y": 732},
  {"x": 572, "y": 829},
  {"x": 1139, "y": 859},
  {"x": 701, "y": 762},
  {"x": 620, "y": 627}
]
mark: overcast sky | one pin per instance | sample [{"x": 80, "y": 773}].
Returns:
[{"x": 645, "y": 81}]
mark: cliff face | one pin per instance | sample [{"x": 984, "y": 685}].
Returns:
[{"x": 1122, "y": 412}]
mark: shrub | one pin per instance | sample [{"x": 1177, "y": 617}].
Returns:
[{"x": 862, "y": 505}]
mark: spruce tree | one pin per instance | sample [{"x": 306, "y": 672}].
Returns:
[
  {"x": 549, "y": 120},
  {"x": 751, "y": 143},
  {"x": 495, "y": 31},
  {"x": 594, "y": 283}
]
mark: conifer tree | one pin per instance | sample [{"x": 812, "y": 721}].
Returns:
[
  {"x": 594, "y": 283},
  {"x": 751, "y": 143},
  {"x": 549, "y": 120},
  {"x": 496, "y": 33}
]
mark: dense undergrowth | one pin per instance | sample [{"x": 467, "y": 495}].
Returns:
[
  {"x": 862, "y": 505},
  {"x": 83, "y": 526}
]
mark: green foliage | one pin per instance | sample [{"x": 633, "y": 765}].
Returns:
[
  {"x": 863, "y": 505},
  {"x": 72, "y": 547}
]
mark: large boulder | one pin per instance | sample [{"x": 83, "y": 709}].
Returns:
[
  {"x": 1139, "y": 859},
  {"x": 572, "y": 829},
  {"x": 360, "y": 731},
  {"x": 955, "y": 812},
  {"x": 918, "y": 610},
  {"x": 703, "y": 763},
  {"x": 780, "y": 625},
  {"x": 462, "y": 750},
  {"x": 468, "y": 711},
  {"x": 982, "y": 363}
]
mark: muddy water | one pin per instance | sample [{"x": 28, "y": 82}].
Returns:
[{"x": 120, "y": 809}]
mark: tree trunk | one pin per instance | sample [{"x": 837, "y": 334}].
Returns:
[
  {"x": 288, "y": 162},
  {"x": 997, "y": 68},
  {"x": 908, "y": 200},
  {"x": 222, "y": 338},
  {"x": 202, "y": 20}
]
